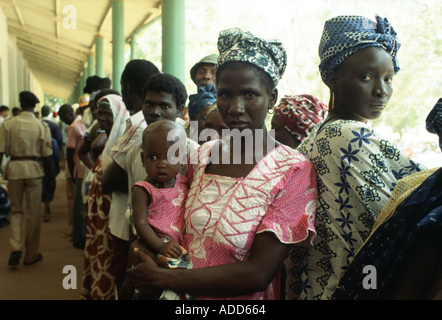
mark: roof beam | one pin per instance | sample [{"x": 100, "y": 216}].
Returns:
[
  {"x": 47, "y": 52},
  {"x": 104, "y": 17},
  {"x": 37, "y": 35},
  {"x": 57, "y": 23},
  {"x": 18, "y": 13},
  {"x": 48, "y": 60},
  {"x": 37, "y": 62},
  {"x": 99, "y": 30}
]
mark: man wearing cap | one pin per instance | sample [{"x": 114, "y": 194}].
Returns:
[
  {"x": 83, "y": 104},
  {"x": 27, "y": 141},
  {"x": 203, "y": 75},
  {"x": 203, "y": 72}
]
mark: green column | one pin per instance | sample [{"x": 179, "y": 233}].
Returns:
[
  {"x": 77, "y": 91},
  {"x": 117, "y": 42},
  {"x": 74, "y": 94},
  {"x": 99, "y": 56},
  {"x": 83, "y": 81},
  {"x": 133, "y": 47},
  {"x": 90, "y": 66},
  {"x": 173, "y": 40}
]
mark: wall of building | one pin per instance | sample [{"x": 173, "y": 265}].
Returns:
[{"x": 15, "y": 74}]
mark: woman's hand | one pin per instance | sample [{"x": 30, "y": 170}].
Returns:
[
  {"x": 145, "y": 274},
  {"x": 226, "y": 280}
]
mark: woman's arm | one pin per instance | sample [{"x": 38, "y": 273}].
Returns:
[
  {"x": 84, "y": 154},
  {"x": 266, "y": 259},
  {"x": 97, "y": 145}
]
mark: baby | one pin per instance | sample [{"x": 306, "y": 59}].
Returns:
[{"x": 158, "y": 201}]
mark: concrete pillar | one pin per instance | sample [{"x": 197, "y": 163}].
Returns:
[
  {"x": 83, "y": 81},
  {"x": 118, "y": 42},
  {"x": 90, "y": 66},
  {"x": 77, "y": 92},
  {"x": 99, "y": 56},
  {"x": 173, "y": 40},
  {"x": 133, "y": 47}
]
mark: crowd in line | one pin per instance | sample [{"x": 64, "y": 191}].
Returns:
[{"x": 169, "y": 203}]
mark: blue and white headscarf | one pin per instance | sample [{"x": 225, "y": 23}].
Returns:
[
  {"x": 236, "y": 45},
  {"x": 344, "y": 35},
  {"x": 206, "y": 96}
]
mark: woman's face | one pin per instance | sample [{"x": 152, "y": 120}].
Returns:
[
  {"x": 105, "y": 118},
  {"x": 242, "y": 99},
  {"x": 362, "y": 85}
]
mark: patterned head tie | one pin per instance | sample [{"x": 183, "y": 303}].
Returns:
[
  {"x": 236, "y": 45},
  {"x": 206, "y": 96},
  {"x": 434, "y": 121},
  {"x": 299, "y": 114},
  {"x": 344, "y": 35}
]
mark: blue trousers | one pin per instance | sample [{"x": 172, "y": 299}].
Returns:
[{"x": 79, "y": 218}]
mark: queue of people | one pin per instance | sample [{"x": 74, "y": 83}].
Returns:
[{"x": 229, "y": 209}]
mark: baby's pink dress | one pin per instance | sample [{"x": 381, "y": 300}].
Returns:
[
  {"x": 166, "y": 210},
  {"x": 224, "y": 214}
]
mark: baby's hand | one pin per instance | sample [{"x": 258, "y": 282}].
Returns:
[{"x": 171, "y": 249}]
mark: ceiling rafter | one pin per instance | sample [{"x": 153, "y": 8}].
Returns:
[
  {"x": 39, "y": 35},
  {"x": 44, "y": 52},
  {"x": 60, "y": 53}
]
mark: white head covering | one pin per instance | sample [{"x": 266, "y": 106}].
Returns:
[{"x": 120, "y": 113}]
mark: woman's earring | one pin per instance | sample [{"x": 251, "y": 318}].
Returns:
[
  {"x": 271, "y": 111},
  {"x": 332, "y": 99}
]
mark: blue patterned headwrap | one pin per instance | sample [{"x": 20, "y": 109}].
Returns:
[
  {"x": 344, "y": 35},
  {"x": 206, "y": 96},
  {"x": 434, "y": 121},
  {"x": 236, "y": 45}
]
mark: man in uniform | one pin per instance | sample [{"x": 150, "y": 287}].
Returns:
[{"x": 27, "y": 141}]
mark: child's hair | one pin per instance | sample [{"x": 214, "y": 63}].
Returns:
[
  {"x": 163, "y": 82},
  {"x": 178, "y": 131}
]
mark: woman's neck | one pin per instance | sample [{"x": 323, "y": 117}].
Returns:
[
  {"x": 338, "y": 113},
  {"x": 249, "y": 144}
]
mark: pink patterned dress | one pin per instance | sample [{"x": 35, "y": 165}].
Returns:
[
  {"x": 223, "y": 214},
  {"x": 166, "y": 210}
]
